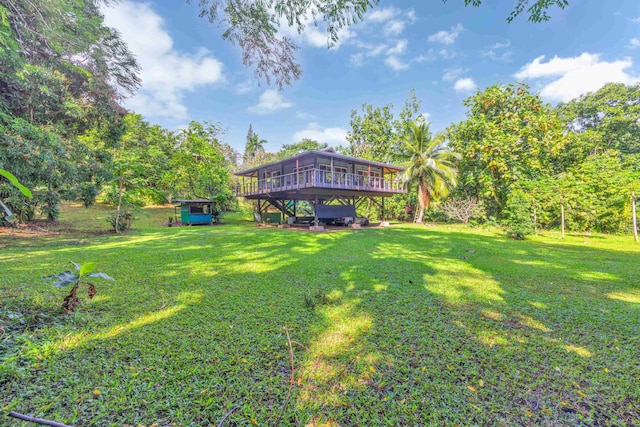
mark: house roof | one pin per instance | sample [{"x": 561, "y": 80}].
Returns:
[{"x": 329, "y": 152}]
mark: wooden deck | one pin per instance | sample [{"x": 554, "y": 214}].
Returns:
[{"x": 316, "y": 181}]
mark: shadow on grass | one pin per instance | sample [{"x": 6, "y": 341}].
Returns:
[
  {"x": 410, "y": 329},
  {"x": 516, "y": 332}
]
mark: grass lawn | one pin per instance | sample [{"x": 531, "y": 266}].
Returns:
[{"x": 409, "y": 327}]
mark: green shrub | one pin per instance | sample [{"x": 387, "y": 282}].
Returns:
[
  {"x": 125, "y": 221},
  {"x": 518, "y": 222}
]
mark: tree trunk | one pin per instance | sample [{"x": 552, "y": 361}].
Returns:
[
  {"x": 424, "y": 199},
  {"x": 562, "y": 218},
  {"x": 120, "y": 191},
  {"x": 634, "y": 216}
]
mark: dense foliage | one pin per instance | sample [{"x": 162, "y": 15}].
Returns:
[
  {"x": 583, "y": 155},
  {"x": 63, "y": 133},
  {"x": 62, "y": 73},
  {"x": 509, "y": 135},
  {"x": 198, "y": 166}
]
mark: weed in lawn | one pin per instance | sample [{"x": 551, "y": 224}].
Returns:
[
  {"x": 309, "y": 300},
  {"x": 321, "y": 297}
]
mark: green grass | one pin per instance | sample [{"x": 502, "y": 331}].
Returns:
[{"x": 408, "y": 327}]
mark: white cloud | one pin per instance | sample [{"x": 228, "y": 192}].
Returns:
[
  {"x": 634, "y": 43},
  {"x": 452, "y": 74},
  {"x": 391, "y": 16},
  {"x": 305, "y": 116},
  {"x": 394, "y": 28},
  {"x": 424, "y": 116},
  {"x": 447, "y": 54},
  {"x": 392, "y": 54},
  {"x": 270, "y": 101},
  {"x": 399, "y": 48},
  {"x": 245, "y": 87},
  {"x": 424, "y": 58},
  {"x": 636, "y": 20},
  {"x": 465, "y": 85},
  {"x": 498, "y": 52},
  {"x": 446, "y": 37},
  {"x": 568, "y": 78},
  {"x": 381, "y": 14},
  {"x": 167, "y": 73},
  {"x": 383, "y": 26},
  {"x": 316, "y": 132},
  {"x": 356, "y": 60},
  {"x": 396, "y": 64}
]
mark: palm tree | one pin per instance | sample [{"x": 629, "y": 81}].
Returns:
[
  {"x": 254, "y": 148},
  {"x": 429, "y": 164}
]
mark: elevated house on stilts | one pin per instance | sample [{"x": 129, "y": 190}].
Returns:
[{"x": 333, "y": 184}]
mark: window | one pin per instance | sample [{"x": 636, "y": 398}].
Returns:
[
  {"x": 303, "y": 174},
  {"x": 273, "y": 178},
  {"x": 341, "y": 175},
  {"x": 199, "y": 209},
  {"x": 325, "y": 173},
  {"x": 367, "y": 178}
]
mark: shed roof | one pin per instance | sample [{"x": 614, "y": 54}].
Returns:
[
  {"x": 329, "y": 152},
  {"x": 192, "y": 201}
]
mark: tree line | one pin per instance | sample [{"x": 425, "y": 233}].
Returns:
[
  {"x": 515, "y": 157},
  {"x": 64, "y": 135}
]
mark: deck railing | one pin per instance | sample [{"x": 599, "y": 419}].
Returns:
[{"x": 319, "y": 179}]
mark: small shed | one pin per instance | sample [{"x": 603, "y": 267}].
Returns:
[{"x": 196, "y": 211}]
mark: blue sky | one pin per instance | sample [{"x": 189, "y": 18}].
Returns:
[{"x": 445, "y": 52}]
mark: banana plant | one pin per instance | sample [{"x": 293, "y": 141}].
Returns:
[
  {"x": 67, "y": 277},
  {"x": 9, "y": 216},
  {"x": 12, "y": 179}
]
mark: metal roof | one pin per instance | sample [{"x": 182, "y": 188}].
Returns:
[
  {"x": 327, "y": 153},
  {"x": 192, "y": 201}
]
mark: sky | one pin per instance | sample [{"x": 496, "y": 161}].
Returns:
[{"x": 445, "y": 52}]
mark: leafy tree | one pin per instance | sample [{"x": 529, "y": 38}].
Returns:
[
  {"x": 40, "y": 160},
  {"x": 595, "y": 194},
  {"x": 377, "y": 133},
  {"x": 66, "y": 68},
  {"x": 62, "y": 73},
  {"x": 430, "y": 165},
  {"x": 139, "y": 162},
  {"x": 372, "y": 134},
  {"x": 537, "y": 9},
  {"x": 254, "y": 26},
  {"x": 306, "y": 144},
  {"x": 518, "y": 219},
  {"x": 231, "y": 156},
  {"x": 602, "y": 120},
  {"x": 509, "y": 135},
  {"x": 198, "y": 168}
]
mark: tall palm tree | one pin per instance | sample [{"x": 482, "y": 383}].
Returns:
[
  {"x": 429, "y": 164},
  {"x": 254, "y": 148}
]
